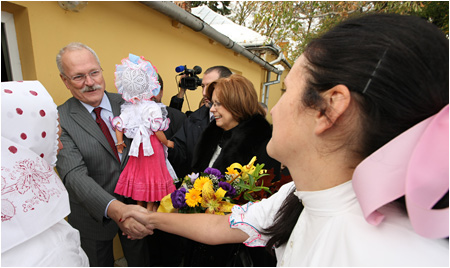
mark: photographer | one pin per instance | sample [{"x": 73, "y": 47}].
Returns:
[{"x": 187, "y": 136}]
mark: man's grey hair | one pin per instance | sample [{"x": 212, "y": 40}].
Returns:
[{"x": 71, "y": 47}]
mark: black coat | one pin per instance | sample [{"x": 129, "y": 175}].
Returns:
[
  {"x": 239, "y": 144},
  {"x": 177, "y": 119},
  {"x": 185, "y": 140}
]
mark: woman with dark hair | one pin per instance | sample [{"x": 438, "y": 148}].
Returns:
[{"x": 363, "y": 129}]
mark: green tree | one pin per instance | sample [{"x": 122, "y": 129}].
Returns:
[
  {"x": 292, "y": 24},
  {"x": 437, "y": 13},
  {"x": 242, "y": 11}
]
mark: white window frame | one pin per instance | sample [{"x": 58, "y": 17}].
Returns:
[{"x": 13, "y": 49}]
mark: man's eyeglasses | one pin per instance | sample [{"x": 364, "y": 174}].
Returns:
[{"x": 80, "y": 78}]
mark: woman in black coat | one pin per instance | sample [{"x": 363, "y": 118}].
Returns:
[{"x": 239, "y": 131}]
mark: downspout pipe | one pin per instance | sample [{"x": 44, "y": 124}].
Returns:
[
  {"x": 265, "y": 87},
  {"x": 176, "y": 13},
  {"x": 281, "y": 58}
]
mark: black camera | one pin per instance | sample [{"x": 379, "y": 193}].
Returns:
[{"x": 191, "y": 80}]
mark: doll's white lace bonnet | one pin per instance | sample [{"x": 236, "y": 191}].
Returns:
[{"x": 136, "y": 79}]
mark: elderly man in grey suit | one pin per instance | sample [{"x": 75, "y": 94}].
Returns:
[{"x": 89, "y": 163}]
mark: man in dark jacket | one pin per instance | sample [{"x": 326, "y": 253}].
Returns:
[
  {"x": 175, "y": 115},
  {"x": 187, "y": 136},
  {"x": 89, "y": 164}
]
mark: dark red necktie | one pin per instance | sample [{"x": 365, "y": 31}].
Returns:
[{"x": 105, "y": 130}]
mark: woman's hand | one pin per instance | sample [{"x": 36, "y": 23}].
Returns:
[{"x": 129, "y": 226}]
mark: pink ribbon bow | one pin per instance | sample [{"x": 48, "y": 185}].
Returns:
[{"x": 415, "y": 165}]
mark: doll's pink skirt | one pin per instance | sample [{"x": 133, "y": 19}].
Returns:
[{"x": 146, "y": 178}]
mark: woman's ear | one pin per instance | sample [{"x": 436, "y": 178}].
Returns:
[{"x": 337, "y": 100}]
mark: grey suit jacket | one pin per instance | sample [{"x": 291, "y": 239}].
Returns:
[{"x": 89, "y": 169}]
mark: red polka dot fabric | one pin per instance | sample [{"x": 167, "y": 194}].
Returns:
[
  {"x": 29, "y": 118},
  {"x": 12, "y": 149}
]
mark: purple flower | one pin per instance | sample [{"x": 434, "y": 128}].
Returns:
[
  {"x": 215, "y": 172},
  {"x": 227, "y": 187},
  {"x": 178, "y": 198}
]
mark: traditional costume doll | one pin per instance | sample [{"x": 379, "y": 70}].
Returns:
[{"x": 148, "y": 175}]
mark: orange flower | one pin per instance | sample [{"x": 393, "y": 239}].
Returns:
[{"x": 193, "y": 197}]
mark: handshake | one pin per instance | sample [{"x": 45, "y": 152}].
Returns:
[
  {"x": 137, "y": 222},
  {"x": 133, "y": 220}
]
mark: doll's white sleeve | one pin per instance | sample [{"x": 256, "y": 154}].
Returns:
[
  {"x": 252, "y": 218},
  {"x": 119, "y": 122},
  {"x": 155, "y": 119}
]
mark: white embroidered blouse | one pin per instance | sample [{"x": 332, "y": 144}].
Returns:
[{"x": 332, "y": 231}]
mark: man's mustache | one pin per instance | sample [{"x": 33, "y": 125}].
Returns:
[{"x": 90, "y": 88}]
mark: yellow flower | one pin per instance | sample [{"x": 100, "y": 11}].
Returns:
[
  {"x": 212, "y": 201},
  {"x": 245, "y": 170},
  {"x": 231, "y": 170},
  {"x": 198, "y": 184},
  {"x": 193, "y": 197},
  {"x": 166, "y": 205}
]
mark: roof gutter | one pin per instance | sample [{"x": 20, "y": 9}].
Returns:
[
  {"x": 273, "y": 48},
  {"x": 176, "y": 13}
]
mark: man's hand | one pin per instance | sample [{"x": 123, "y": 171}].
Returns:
[
  {"x": 134, "y": 229},
  {"x": 182, "y": 90},
  {"x": 144, "y": 217},
  {"x": 129, "y": 226}
]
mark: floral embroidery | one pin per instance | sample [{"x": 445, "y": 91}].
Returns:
[{"x": 30, "y": 180}]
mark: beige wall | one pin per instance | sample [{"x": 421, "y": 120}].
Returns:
[{"x": 114, "y": 29}]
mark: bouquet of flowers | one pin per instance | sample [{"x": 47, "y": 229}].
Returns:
[{"x": 216, "y": 193}]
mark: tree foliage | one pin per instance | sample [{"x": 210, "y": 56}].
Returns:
[{"x": 292, "y": 24}]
